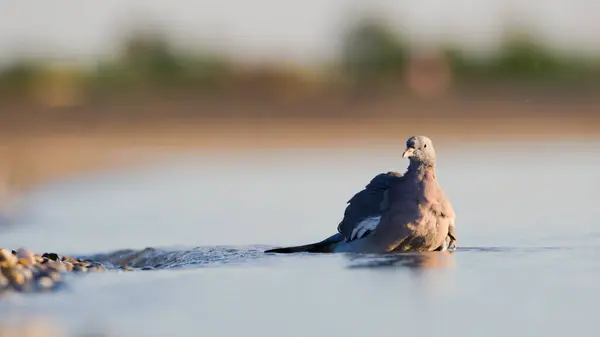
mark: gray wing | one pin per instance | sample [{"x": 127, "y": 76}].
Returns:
[{"x": 367, "y": 203}]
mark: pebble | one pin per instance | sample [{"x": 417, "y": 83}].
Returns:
[
  {"x": 51, "y": 256},
  {"x": 25, "y": 261},
  {"x": 27, "y": 274},
  {"x": 95, "y": 266},
  {"x": 54, "y": 276},
  {"x": 68, "y": 259},
  {"x": 45, "y": 283},
  {"x": 25, "y": 255},
  {"x": 14, "y": 276},
  {"x": 22, "y": 270},
  {"x": 7, "y": 258},
  {"x": 68, "y": 266}
]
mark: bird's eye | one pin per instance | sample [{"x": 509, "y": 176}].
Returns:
[{"x": 424, "y": 146}]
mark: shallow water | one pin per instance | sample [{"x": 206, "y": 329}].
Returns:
[{"x": 526, "y": 263}]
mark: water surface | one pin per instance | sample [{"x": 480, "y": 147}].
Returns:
[{"x": 526, "y": 264}]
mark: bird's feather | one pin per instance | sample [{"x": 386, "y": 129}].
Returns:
[
  {"x": 365, "y": 208},
  {"x": 325, "y": 246}
]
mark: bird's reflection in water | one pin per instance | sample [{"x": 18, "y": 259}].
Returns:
[{"x": 415, "y": 261}]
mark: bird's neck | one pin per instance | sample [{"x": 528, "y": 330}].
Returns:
[{"x": 419, "y": 170}]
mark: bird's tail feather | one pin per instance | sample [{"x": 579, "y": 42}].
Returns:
[
  {"x": 325, "y": 246},
  {"x": 310, "y": 248}
]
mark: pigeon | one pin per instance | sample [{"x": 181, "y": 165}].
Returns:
[{"x": 395, "y": 212}]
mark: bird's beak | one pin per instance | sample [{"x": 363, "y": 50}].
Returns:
[{"x": 408, "y": 153}]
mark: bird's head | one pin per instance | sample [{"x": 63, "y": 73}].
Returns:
[{"x": 419, "y": 150}]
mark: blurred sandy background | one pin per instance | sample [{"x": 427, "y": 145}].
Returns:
[{"x": 96, "y": 85}]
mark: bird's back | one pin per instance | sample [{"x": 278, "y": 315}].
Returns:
[{"x": 367, "y": 203}]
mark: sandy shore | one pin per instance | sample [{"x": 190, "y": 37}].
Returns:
[{"x": 35, "y": 150}]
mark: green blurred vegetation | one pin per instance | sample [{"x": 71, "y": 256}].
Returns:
[
  {"x": 371, "y": 53},
  {"x": 522, "y": 58},
  {"x": 148, "y": 59}
]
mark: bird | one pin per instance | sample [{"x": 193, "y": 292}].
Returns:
[{"x": 395, "y": 212}]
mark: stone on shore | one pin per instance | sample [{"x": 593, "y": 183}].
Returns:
[{"x": 22, "y": 270}]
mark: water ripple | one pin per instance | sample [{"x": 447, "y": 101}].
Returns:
[
  {"x": 155, "y": 258},
  {"x": 214, "y": 256}
]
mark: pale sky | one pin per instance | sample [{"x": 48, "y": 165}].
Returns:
[{"x": 297, "y": 30}]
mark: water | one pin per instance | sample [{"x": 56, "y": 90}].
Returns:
[{"x": 526, "y": 265}]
